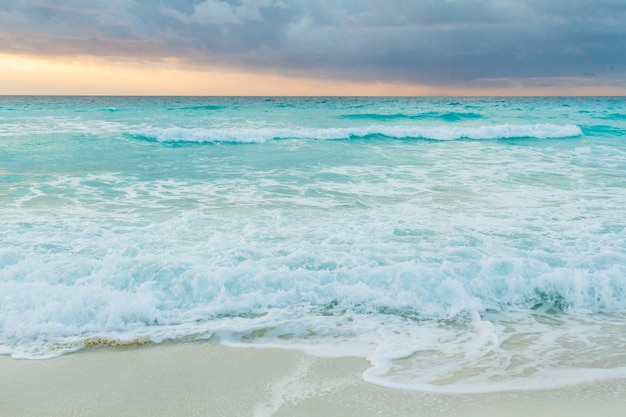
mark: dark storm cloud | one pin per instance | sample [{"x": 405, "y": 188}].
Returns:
[{"x": 445, "y": 41}]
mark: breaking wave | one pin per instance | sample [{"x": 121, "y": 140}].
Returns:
[{"x": 261, "y": 135}]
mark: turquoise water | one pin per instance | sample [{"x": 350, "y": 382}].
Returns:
[{"x": 460, "y": 244}]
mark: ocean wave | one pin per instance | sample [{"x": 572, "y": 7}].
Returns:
[
  {"x": 603, "y": 130},
  {"x": 614, "y": 116},
  {"x": 261, "y": 135},
  {"x": 208, "y": 107},
  {"x": 431, "y": 115}
]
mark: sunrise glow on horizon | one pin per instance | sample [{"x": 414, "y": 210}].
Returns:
[
  {"x": 24, "y": 75},
  {"x": 89, "y": 76}
]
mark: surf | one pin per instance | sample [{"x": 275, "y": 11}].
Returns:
[{"x": 437, "y": 133}]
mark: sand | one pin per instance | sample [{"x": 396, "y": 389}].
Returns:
[{"x": 213, "y": 380}]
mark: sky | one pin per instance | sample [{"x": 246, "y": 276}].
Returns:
[{"x": 313, "y": 47}]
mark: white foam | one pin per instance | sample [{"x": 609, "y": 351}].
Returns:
[
  {"x": 264, "y": 134},
  {"x": 63, "y": 125},
  {"x": 230, "y": 131}
]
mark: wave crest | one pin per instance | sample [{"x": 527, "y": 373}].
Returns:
[{"x": 261, "y": 135}]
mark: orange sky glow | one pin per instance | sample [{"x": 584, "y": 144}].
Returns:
[{"x": 23, "y": 75}]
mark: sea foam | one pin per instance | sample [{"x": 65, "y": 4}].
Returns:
[{"x": 260, "y": 135}]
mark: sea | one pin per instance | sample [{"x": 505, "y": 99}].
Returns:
[{"x": 459, "y": 244}]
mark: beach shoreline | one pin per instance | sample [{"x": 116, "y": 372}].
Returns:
[{"x": 205, "y": 379}]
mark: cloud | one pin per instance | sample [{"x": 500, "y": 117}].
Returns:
[
  {"x": 212, "y": 12},
  {"x": 460, "y": 42}
]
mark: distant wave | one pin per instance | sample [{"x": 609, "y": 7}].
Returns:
[
  {"x": 614, "y": 116},
  {"x": 432, "y": 115},
  {"x": 204, "y": 107},
  {"x": 261, "y": 135},
  {"x": 603, "y": 130}
]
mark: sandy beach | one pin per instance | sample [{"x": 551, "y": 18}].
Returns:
[{"x": 214, "y": 380}]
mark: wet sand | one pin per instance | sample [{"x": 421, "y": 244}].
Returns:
[{"x": 212, "y": 380}]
